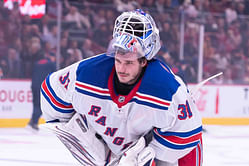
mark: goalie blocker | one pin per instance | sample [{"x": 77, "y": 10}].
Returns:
[{"x": 80, "y": 139}]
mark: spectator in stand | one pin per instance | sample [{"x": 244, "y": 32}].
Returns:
[
  {"x": 237, "y": 36},
  {"x": 14, "y": 22},
  {"x": 26, "y": 32},
  {"x": 174, "y": 44},
  {"x": 232, "y": 41},
  {"x": 74, "y": 16},
  {"x": 35, "y": 31},
  {"x": 230, "y": 13},
  {"x": 210, "y": 24},
  {"x": 186, "y": 72},
  {"x": 13, "y": 64},
  {"x": 149, "y": 4},
  {"x": 221, "y": 23},
  {"x": 206, "y": 6},
  {"x": 208, "y": 50},
  {"x": 125, "y": 5},
  {"x": 160, "y": 6},
  {"x": 88, "y": 14},
  {"x": 3, "y": 45},
  {"x": 246, "y": 47},
  {"x": 48, "y": 50},
  {"x": 44, "y": 25},
  {"x": 220, "y": 37},
  {"x": 101, "y": 35},
  {"x": 164, "y": 56},
  {"x": 17, "y": 45},
  {"x": 222, "y": 58},
  {"x": 166, "y": 34},
  {"x": 227, "y": 76},
  {"x": 209, "y": 68},
  {"x": 86, "y": 48},
  {"x": 51, "y": 37},
  {"x": 74, "y": 53},
  {"x": 99, "y": 18},
  {"x": 63, "y": 50},
  {"x": 189, "y": 9},
  {"x": 34, "y": 53},
  {"x": 140, "y": 2},
  {"x": 40, "y": 70},
  {"x": 246, "y": 7},
  {"x": 3, "y": 68},
  {"x": 110, "y": 15},
  {"x": 239, "y": 65},
  {"x": 3, "y": 10},
  {"x": 245, "y": 37},
  {"x": 191, "y": 43},
  {"x": 240, "y": 8},
  {"x": 246, "y": 78},
  {"x": 25, "y": 58}
]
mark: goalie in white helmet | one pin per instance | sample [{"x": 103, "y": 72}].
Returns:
[
  {"x": 124, "y": 96},
  {"x": 142, "y": 27}
]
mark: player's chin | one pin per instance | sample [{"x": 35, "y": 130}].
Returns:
[{"x": 124, "y": 80}]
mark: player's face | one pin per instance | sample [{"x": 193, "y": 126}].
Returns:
[{"x": 128, "y": 69}]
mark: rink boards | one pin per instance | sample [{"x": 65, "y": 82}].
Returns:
[{"x": 218, "y": 104}]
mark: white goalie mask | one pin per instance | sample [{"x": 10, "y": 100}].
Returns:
[{"x": 135, "y": 32}]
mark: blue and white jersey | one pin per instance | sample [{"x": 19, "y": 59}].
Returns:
[{"x": 159, "y": 101}]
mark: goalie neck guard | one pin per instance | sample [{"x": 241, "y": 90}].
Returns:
[{"x": 135, "y": 32}]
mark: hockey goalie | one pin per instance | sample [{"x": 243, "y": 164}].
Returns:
[{"x": 124, "y": 107}]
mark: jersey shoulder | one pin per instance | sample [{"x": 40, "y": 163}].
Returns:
[
  {"x": 159, "y": 81},
  {"x": 95, "y": 71}
]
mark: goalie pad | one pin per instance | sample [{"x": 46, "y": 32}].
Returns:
[{"x": 80, "y": 140}]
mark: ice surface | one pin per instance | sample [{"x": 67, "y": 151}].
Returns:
[{"x": 223, "y": 146}]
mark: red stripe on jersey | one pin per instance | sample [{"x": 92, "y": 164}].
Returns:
[
  {"x": 51, "y": 97},
  {"x": 179, "y": 140},
  {"x": 153, "y": 100},
  {"x": 193, "y": 158},
  {"x": 199, "y": 155},
  {"x": 91, "y": 88}
]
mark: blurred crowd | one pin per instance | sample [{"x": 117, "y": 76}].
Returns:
[{"x": 87, "y": 29}]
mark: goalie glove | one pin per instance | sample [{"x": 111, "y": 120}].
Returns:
[
  {"x": 80, "y": 140},
  {"x": 138, "y": 155}
]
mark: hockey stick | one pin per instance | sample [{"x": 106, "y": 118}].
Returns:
[{"x": 199, "y": 85}]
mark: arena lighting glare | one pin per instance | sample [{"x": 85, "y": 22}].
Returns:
[{"x": 33, "y": 8}]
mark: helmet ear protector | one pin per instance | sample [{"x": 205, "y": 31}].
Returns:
[{"x": 135, "y": 32}]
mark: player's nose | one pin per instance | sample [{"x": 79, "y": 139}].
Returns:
[{"x": 122, "y": 68}]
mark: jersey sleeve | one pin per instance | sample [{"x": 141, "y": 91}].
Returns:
[
  {"x": 56, "y": 94},
  {"x": 184, "y": 130}
]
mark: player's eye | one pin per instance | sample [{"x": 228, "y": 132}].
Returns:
[{"x": 129, "y": 62}]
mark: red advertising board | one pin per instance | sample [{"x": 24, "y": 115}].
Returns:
[{"x": 33, "y": 8}]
